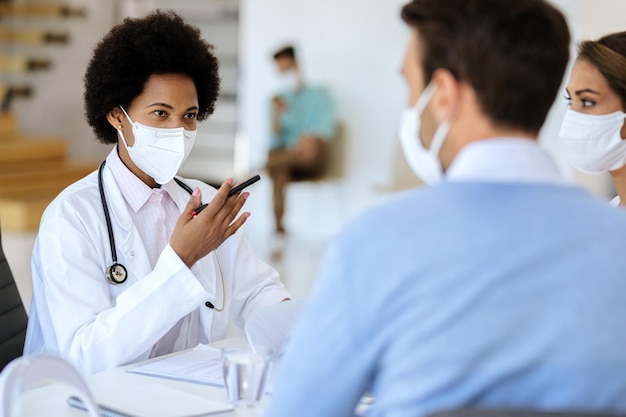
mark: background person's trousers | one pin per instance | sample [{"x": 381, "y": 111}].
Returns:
[{"x": 285, "y": 165}]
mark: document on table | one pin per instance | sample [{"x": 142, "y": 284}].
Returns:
[
  {"x": 153, "y": 400},
  {"x": 202, "y": 364}
]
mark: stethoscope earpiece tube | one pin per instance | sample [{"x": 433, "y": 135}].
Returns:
[{"x": 116, "y": 273}]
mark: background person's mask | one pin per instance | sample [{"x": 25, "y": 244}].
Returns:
[
  {"x": 593, "y": 143},
  {"x": 290, "y": 80},
  {"x": 424, "y": 162},
  {"x": 159, "y": 152}
]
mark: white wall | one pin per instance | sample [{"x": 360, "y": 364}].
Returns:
[
  {"x": 602, "y": 17},
  {"x": 548, "y": 137},
  {"x": 355, "y": 48}
]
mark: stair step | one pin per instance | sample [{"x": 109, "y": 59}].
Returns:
[
  {"x": 28, "y": 148},
  {"x": 24, "y": 213},
  {"x": 15, "y": 9},
  {"x": 47, "y": 177},
  {"x": 8, "y": 121},
  {"x": 32, "y": 37}
]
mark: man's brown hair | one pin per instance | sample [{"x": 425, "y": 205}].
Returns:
[
  {"x": 285, "y": 52},
  {"x": 513, "y": 53}
]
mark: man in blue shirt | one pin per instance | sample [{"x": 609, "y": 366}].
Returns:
[
  {"x": 500, "y": 285},
  {"x": 302, "y": 124}
]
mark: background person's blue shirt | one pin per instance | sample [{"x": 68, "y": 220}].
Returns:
[
  {"x": 483, "y": 291},
  {"x": 309, "y": 111}
]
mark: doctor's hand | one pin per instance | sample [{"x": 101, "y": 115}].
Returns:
[{"x": 195, "y": 236}]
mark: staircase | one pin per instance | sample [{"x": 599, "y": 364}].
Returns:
[{"x": 33, "y": 170}]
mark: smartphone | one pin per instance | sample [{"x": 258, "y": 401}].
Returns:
[
  {"x": 232, "y": 192},
  {"x": 243, "y": 185}
]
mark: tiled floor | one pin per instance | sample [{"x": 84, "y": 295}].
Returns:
[{"x": 315, "y": 213}]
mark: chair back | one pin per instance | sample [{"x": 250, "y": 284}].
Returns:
[
  {"x": 334, "y": 168},
  {"x": 523, "y": 412},
  {"x": 29, "y": 371},
  {"x": 13, "y": 318},
  {"x": 336, "y": 155}
]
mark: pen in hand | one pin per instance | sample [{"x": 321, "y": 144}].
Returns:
[{"x": 232, "y": 192}]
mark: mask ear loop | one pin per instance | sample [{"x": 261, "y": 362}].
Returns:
[
  {"x": 119, "y": 130},
  {"x": 439, "y": 137},
  {"x": 127, "y": 116},
  {"x": 442, "y": 130}
]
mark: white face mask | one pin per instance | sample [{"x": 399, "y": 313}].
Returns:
[
  {"x": 594, "y": 143},
  {"x": 424, "y": 162},
  {"x": 159, "y": 152},
  {"x": 290, "y": 80}
]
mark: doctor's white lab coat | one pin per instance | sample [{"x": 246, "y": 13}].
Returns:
[{"x": 95, "y": 325}]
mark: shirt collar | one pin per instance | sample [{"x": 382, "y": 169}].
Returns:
[
  {"x": 135, "y": 192},
  {"x": 504, "y": 160}
]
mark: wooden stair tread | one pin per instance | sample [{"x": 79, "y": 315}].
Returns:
[
  {"x": 8, "y": 121},
  {"x": 30, "y": 198},
  {"x": 9, "y": 167},
  {"x": 24, "y": 196},
  {"x": 12, "y": 170},
  {"x": 23, "y": 214},
  {"x": 47, "y": 179},
  {"x": 32, "y": 149}
]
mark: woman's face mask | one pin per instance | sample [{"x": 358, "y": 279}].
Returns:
[
  {"x": 591, "y": 130},
  {"x": 593, "y": 143},
  {"x": 159, "y": 152}
]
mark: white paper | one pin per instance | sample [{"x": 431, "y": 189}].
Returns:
[
  {"x": 155, "y": 400},
  {"x": 202, "y": 364}
]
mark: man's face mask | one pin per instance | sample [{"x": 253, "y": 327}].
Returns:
[
  {"x": 290, "y": 80},
  {"x": 424, "y": 162}
]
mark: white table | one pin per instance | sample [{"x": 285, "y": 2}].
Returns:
[{"x": 51, "y": 400}]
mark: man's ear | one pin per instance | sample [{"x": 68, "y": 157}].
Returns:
[
  {"x": 447, "y": 97},
  {"x": 115, "y": 118}
]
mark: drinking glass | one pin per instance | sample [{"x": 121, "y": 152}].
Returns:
[{"x": 245, "y": 373}]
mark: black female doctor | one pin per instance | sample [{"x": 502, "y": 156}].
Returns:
[{"x": 122, "y": 268}]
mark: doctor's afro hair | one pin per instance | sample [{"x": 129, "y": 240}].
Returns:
[{"x": 160, "y": 43}]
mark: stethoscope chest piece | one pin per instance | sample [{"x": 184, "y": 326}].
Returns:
[{"x": 116, "y": 273}]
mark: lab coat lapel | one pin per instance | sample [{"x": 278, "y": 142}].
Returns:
[{"x": 206, "y": 270}]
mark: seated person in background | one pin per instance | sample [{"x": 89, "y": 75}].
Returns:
[
  {"x": 503, "y": 285},
  {"x": 302, "y": 124},
  {"x": 123, "y": 267}
]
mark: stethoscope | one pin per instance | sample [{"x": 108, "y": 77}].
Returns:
[{"x": 116, "y": 273}]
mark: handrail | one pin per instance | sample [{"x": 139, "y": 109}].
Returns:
[
  {"x": 32, "y": 37},
  {"x": 13, "y": 63},
  {"x": 8, "y": 92},
  {"x": 41, "y": 10}
]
